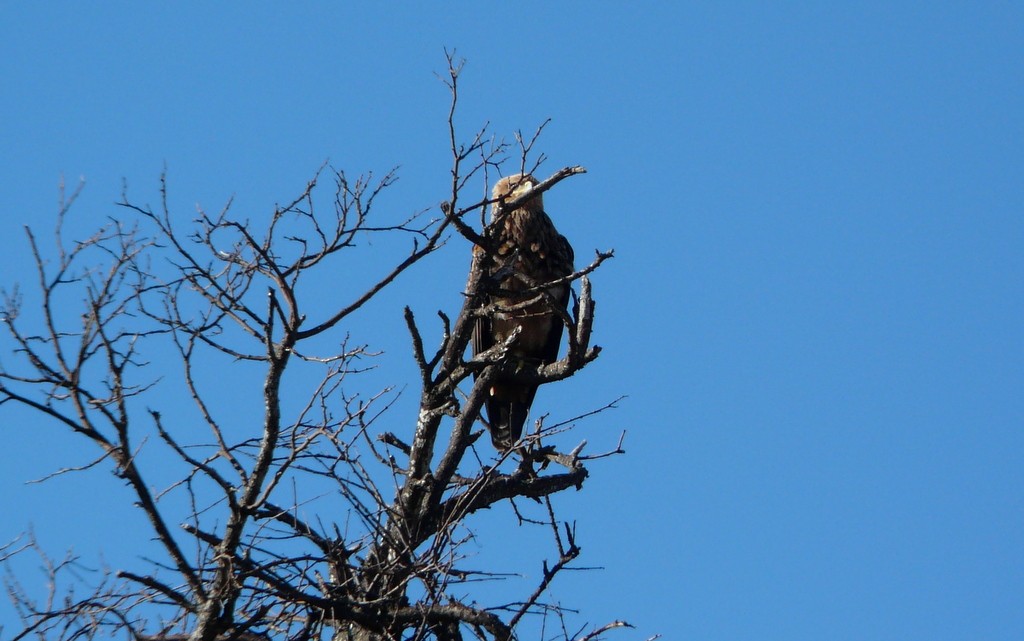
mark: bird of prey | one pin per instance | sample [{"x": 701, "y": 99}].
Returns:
[{"x": 527, "y": 251}]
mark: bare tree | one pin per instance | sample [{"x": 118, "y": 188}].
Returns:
[{"x": 318, "y": 524}]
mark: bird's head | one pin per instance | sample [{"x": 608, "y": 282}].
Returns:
[{"x": 514, "y": 186}]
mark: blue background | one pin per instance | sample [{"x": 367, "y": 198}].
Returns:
[{"x": 815, "y": 307}]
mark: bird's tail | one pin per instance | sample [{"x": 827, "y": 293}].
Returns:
[
  {"x": 507, "y": 420},
  {"x": 507, "y": 410}
]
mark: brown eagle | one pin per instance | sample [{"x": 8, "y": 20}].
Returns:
[{"x": 527, "y": 249}]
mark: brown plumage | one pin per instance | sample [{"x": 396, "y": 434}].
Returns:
[{"x": 525, "y": 243}]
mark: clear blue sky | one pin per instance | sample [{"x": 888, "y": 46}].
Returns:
[{"x": 816, "y": 308}]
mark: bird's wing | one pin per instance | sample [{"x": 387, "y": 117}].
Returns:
[
  {"x": 562, "y": 265},
  {"x": 483, "y": 338}
]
